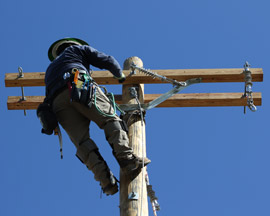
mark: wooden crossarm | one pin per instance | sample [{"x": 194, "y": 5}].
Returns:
[
  {"x": 178, "y": 100},
  {"x": 207, "y": 100},
  {"x": 106, "y": 78}
]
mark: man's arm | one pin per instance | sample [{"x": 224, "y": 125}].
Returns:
[{"x": 103, "y": 61}]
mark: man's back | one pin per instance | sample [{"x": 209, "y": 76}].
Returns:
[{"x": 80, "y": 57}]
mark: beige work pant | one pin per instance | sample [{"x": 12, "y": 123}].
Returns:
[{"x": 75, "y": 118}]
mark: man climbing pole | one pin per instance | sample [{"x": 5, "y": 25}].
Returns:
[{"x": 76, "y": 100}]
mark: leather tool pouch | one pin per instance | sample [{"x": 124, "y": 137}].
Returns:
[
  {"x": 47, "y": 118},
  {"x": 79, "y": 93},
  {"x": 82, "y": 90}
]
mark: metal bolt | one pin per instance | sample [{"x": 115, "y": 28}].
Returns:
[{"x": 133, "y": 196}]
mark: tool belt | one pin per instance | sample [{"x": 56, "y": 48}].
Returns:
[{"x": 83, "y": 87}]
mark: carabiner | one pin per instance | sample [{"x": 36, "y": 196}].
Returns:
[{"x": 252, "y": 107}]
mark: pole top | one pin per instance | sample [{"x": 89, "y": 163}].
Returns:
[{"x": 134, "y": 59}]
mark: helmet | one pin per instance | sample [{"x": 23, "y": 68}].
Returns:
[{"x": 53, "y": 51}]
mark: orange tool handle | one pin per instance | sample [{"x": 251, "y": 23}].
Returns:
[{"x": 75, "y": 71}]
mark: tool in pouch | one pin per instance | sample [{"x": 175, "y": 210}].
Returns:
[
  {"x": 83, "y": 87},
  {"x": 83, "y": 90}
]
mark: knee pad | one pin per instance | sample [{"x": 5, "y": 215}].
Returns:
[
  {"x": 85, "y": 148},
  {"x": 112, "y": 126}
]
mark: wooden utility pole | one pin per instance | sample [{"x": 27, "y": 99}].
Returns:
[{"x": 133, "y": 194}]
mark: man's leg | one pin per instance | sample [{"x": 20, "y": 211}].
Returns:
[
  {"x": 115, "y": 132},
  {"x": 88, "y": 153},
  {"x": 77, "y": 127},
  {"x": 117, "y": 137}
]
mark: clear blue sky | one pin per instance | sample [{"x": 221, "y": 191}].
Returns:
[{"x": 205, "y": 161}]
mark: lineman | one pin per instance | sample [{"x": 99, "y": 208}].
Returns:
[{"x": 76, "y": 100}]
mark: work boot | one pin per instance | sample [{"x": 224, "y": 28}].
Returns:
[
  {"x": 95, "y": 162},
  {"x": 132, "y": 166},
  {"x": 111, "y": 188}
]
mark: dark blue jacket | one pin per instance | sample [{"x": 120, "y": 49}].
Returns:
[{"x": 80, "y": 57}]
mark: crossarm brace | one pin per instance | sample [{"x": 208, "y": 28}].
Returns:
[{"x": 160, "y": 99}]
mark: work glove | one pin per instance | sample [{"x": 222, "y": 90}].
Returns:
[{"x": 121, "y": 79}]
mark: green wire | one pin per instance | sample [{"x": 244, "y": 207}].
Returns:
[
  {"x": 113, "y": 103},
  {"x": 120, "y": 110},
  {"x": 111, "y": 98}
]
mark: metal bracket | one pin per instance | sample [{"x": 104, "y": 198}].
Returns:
[
  {"x": 133, "y": 196},
  {"x": 133, "y": 92},
  {"x": 248, "y": 88},
  {"x": 21, "y": 75}
]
